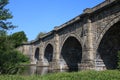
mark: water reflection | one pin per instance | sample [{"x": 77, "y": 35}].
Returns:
[{"x": 31, "y": 70}]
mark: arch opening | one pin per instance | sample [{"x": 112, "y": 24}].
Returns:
[
  {"x": 109, "y": 47},
  {"x": 49, "y": 53},
  {"x": 71, "y": 54},
  {"x": 36, "y": 56}
]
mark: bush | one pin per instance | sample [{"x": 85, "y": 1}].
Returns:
[
  {"x": 10, "y": 62},
  {"x": 10, "y": 58}
]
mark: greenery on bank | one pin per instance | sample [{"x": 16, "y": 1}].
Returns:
[
  {"x": 82, "y": 75},
  {"x": 10, "y": 58}
]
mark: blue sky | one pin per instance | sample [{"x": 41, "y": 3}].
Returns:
[{"x": 35, "y": 16}]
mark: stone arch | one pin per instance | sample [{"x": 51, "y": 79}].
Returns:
[
  {"x": 109, "y": 45},
  {"x": 71, "y": 54},
  {"x": 71, "y": 35},
  {"x": 36, "y": 55},
  {"x": 48, "y": 53},
  {"x": 107, "y": 27}
]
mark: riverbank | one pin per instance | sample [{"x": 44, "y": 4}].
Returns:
[{"x": 82, "y": 75}]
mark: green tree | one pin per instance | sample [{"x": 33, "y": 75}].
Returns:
[
  {"x": 4, "y": 16},
  {"x": 2, "y": 33},
  {"x": 18, "y": 38},
  {"x": 41, "y": 34},
  {"x": 10, "y": 58}
]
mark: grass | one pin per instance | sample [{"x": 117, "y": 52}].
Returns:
[{"x": 82, "y": 75}]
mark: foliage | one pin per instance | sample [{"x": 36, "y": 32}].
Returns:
[
  {"x": 18, "y": 38},
  {"x": 10, "y": 59},
  {"x": 85, "y": 75},
  {"x": 4, "y": 16},
  {"x": 82, "y": 75},
  {"x": 118, "y": 60},
  {"x": 2, "y": 33},
  {"x": 41, "y": 34}
]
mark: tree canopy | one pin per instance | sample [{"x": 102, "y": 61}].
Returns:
[
  {"x": 41, "y": 34},
  {"x": 19, "y": 38},
  {"x": 4, "y": 16}
]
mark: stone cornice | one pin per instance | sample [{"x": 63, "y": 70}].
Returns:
[{"x": 85, "y": 13}]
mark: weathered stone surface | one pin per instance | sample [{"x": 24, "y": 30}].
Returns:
[{"x": 81, "y": 43}]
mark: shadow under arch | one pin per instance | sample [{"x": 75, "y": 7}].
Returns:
[
  {"x": 71, "y": 53},
  {"x": 109, "y": 47},
  {"x": 36, "y": 56},
  {"x": 106, "y": 28},
  {"x": 48, "y": 53}
]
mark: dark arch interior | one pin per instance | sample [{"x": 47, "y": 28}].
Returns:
[
  {"x": 37, "y": 54},
  {"x": 49, "y": 52},
  {"x": 109, "y": 46},
  {"x": 72, "y": 53}
]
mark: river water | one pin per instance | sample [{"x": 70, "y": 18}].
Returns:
[{"x": 33, "y": 70}]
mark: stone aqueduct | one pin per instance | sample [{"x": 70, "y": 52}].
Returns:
[{"x": 88, "y": 41}]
